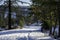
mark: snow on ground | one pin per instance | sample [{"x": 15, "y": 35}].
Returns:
[
  {"x": 29, "y": 33},
  {"x": 24, "y": 35},
  {"x": 33, "y": 27},
  {"x": 14, "y": 36},
  {"x": 25, "y": 29}
]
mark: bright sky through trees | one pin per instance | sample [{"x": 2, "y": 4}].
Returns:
[{"x": 28, "y": 1}]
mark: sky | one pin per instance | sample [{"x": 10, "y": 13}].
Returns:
[{"x": 28, "y": 1}]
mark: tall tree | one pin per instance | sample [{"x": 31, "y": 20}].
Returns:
[
  {"x": 48, "y": 6},
  {"x": 58, "y": 9},
  {"x": 9, "y": 15}
]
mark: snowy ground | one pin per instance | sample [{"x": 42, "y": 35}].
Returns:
[
  {"x": 16, "y": 35},
  {"x": 25, "y": 36},
  {"x": 27, "y": 33}
]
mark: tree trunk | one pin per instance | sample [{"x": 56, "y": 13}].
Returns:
[
  {"x": 50, "y": 33},
  {"x": 58, "y": 9},
  {"x": 55, "y": 22},
  {"x": 54, "y": 29},
  {"x": 9, "y": 15}
]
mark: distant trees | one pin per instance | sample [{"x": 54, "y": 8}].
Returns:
[
  {"x": 2, "y": 22},
  {"x": 13, "y": 6}
]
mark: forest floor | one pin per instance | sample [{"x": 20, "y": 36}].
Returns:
[{"x": 24, "y": 34}]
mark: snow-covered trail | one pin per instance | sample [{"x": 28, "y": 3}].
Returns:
[
  {"x": 19, "y": 34},
  {"x": 24, "y": 30},
  {"x": 26, "y": 36}
]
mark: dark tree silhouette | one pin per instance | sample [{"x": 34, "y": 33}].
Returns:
[
  {"x": 58, "y": 9},
  {"x": 9, "y": 15}
]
